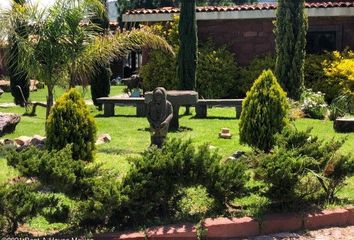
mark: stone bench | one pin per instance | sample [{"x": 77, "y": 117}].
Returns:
[
  {"x": 110, "y": 102},
  {"x": 202, "y": 105}
]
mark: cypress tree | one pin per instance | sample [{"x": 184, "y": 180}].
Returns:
[
  {"x": 187, "y": 56},
  {"x": 101, "y": 79},
  {"x": 18, "y": 75},
  {"x": 290, "y": 34},
  {"x": 100, "y": 83}
]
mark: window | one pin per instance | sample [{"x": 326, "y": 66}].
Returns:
[
  {"x": 324, "y": 38},
  {"x": 318, "y": 42}
]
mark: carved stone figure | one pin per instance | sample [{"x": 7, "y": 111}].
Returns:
[{"x": 159, "y": 115}]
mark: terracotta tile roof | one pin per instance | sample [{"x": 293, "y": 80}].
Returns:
[{"x": 245, "y": 7}]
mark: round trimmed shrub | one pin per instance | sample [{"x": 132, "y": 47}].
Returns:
[
  {"x": 264, "y": 112},
  {"x": 70, "y": 122}
]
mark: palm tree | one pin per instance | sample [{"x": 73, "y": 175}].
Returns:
[{"x": 62, "y": 44}]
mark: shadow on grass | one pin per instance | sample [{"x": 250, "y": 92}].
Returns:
[
  {"x": 115, "y": 151},
  {"x": 180, "y": 129},
  {"x": 117, "y": 116},
  {"x": 213, "y": 118}
]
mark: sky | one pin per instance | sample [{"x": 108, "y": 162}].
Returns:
[{"x": 44, "y": 3}]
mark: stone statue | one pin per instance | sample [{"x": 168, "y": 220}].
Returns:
[{"x": 159, "y": 115}]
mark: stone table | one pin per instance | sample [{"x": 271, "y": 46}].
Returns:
[{"x": 177, "y": 99}]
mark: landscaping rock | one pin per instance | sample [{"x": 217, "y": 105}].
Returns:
[
  {"x": 8, "y": 122},
  {"x": 344, "y": 125},
  {"x": 1, "y": 92},
  {"x": 8, "y": 142},
  {"x": 236, "y": 155},
  {"x": 23, "y": 141},
  {"x": 5, "y": 85},
  {"x": 37, "y": 140},
  {"x": 104, "y": 138}
]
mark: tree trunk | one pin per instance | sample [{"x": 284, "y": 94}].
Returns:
[{"x": 50, "y": 100}]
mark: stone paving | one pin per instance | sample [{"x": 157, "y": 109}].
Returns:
[{"x": 345, "y": 233}]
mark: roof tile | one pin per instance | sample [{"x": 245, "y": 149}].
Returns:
[{"x": 245, "y": 7}]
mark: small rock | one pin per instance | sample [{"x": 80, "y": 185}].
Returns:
[
  {"x": 9, "y": 142},
  {"x": 23, "y": 140},
  {"x": 5, "y": 85},
  {"x": 8, "y": 122},
  {"x": 238, "y": 154},
  {"x": 104, "y": 138},
  {"x": 37, "y": 140}
]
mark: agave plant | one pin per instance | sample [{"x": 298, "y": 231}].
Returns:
[{"x": 63, "y": 45}]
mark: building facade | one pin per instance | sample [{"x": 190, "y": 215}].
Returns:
[{"x": 248, "y": 29}]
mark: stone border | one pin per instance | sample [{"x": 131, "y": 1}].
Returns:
[{"x": 226, "y": 228}]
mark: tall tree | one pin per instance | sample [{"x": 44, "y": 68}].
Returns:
[
  {"x": 101, "y": 78},
  {"x": 290, "y": 33},
  {"x": 187, "y": 55},
  {"x": 19, "y": 79}
]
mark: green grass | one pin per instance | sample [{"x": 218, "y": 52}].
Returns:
[
  {"x": 6, "y": 172},
  {"x": 41, "y": 94}
]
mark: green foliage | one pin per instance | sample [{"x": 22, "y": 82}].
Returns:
[
  {"x": 290, "y": 35},
  {"x": 103, "y": 204},
  {"x": 188, "y": 40},
  {"x": 248, "y": 74},
  {"x": 216, "y": 72},
  {"x": 17, "y": 203},
  {"x": 161, "y": 172},
  {"x": 159, "y": 71},
  {"x": 313, "y": 104},
  {"x": 283, "y": 170},
  {"x": 194, "y": 203},
  {"x": 303, "y": 169},
  {"x": 341, "y": 106},
  {"x": 56, "y": 169},
  {"x": 264, "y": 112},
  {"x": 70, "y": 122},
  {"x": 100, "y": 83}
]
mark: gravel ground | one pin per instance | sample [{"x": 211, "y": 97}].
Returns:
[{"x": 346, "y": 233}]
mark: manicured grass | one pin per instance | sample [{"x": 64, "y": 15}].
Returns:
[{"x": 41, "y": 94}]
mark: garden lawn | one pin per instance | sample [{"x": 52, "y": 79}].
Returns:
[{"x": 41, "y": 94}]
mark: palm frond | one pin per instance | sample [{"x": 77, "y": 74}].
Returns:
[{"x": 107, "y": 48}]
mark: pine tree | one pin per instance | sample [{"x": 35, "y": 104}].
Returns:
[
  {"x": 19, "y": 79},
  {"x": 187, "y": 56},
  {"x": 291, "y": 28}
]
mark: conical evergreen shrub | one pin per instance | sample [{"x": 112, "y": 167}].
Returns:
[
  {"x": 264, "y": 112},
  {"x": 70, "y": 122}
]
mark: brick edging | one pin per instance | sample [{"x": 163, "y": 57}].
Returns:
[{"x": 225, "y": 228}]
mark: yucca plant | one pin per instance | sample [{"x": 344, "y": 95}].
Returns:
[{"x": 63, "y": 46}]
